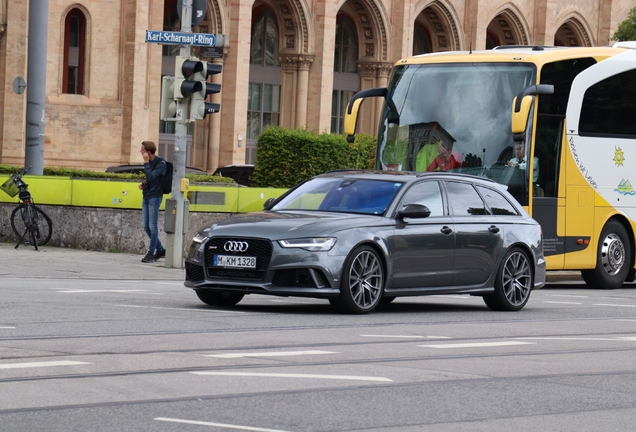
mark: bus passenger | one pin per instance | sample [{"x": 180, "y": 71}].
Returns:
[{"x": 445, "y": 160}]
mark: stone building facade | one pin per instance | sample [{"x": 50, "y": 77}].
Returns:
[{"x": 292, "y": 63}]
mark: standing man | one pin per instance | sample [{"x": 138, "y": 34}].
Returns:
[{"x": 155, "y": 169}]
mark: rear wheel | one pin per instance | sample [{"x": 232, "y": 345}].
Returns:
[
  {"x": 613, "y": 258},
  {"x": 513, "y": 284},
  {"x": 214, "y": 298},
  {"x": 362, "y": 282}
]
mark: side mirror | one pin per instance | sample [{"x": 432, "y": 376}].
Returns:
[
  {"x": 353, "y": 108},
  {"x": 521, "y": 105},
  {"x": 268, "y": 203},
  {"x": 414, "y": 211}
]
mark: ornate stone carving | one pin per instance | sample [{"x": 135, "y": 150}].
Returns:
[
  {"x": 296, "y": 62},
  {"x": 374, "y": 69}
]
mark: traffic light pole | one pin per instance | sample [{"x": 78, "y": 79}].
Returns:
[{"x": 174, "y": 249}]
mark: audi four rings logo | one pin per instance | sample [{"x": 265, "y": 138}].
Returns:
[{"x": 235, "y": 246}]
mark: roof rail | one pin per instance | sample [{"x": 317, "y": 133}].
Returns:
[{"x": 534, "y": 47}]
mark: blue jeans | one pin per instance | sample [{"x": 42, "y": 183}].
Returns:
[{"x": 150, "y": 214}]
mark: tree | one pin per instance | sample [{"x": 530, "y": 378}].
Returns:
[{"x": 627, "y": 29}]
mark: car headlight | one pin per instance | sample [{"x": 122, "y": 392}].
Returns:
[
  {"x": 199, "y": 238},
  {"x": 317, "y": 244}
]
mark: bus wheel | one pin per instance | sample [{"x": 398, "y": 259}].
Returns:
[{"x": 613, "y": 260}]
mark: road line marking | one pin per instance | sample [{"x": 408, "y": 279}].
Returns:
[
  {"x": 283, "y": 375},
  {"x": 185, "y": 309},
  {"x": 573, "y": 338},
  {"x": 561, "y": 302},
  {"x": 479, "y": 344},
  {"x": 406, "y": 336},
  {"x": 7, "y": 327},
  {"x": 616, "y": 305},
  {"x": 568, "y": 295},
  {"x": 221, "y": 425},
  {"x": 40, "y": 364},
  {"x": 269, "y": 354},
  {"x": 113, "y": 291}
]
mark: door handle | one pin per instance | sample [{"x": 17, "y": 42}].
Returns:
[
  {"x": 446, "y": 230},
  {"x": 493, "y": 229}
]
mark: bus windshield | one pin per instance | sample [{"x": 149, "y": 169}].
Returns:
[{"x": 451, "y": 117}]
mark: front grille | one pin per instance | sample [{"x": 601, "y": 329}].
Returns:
[
  {"x": 194, "y": 272},
  {"x": 259, "y": 248}
]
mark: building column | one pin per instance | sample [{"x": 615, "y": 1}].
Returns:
[
  {"x": 372, "y": 74},
  {"x": 236, "y": 77},
  {"x": 214, "y": 126},
  {"x": 302, "y": 90},
  {"x": 320, "y": 77}
]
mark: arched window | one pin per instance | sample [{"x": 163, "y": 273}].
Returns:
[
  {"x": 346, "y": 58},
  {"x": 263, "y": 106},
  {"x": 264, "y": 45},
  {"x": 74, "y": 46},
  {"x": 421, "y": 41},
  {"x": 346, "y": 81}
]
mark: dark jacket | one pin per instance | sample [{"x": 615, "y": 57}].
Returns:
[{"x": 154, "y": 170}]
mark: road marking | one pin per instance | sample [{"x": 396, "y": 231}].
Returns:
[
  {"x": 269, "y": 354},
  {"x": 574, "y": 338},
  {"x": 40, "y": 364},
  {"x": 221, "y": 425},
  {"x": 7, "y": 327},
  {"x": 407, "y": 336},
  {"x": 479, "y": 344},
  {"x": 568, "y": 295},
  {"x": 282, "y": 375},
  {"x": 615, "y": 305},
  {"x": 185, "y": 309},
  {"x": 561, "y": 302},
  {"x": 78, "y": 291}
]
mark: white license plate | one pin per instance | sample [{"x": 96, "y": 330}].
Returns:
[{"x": 234, "y": 261}]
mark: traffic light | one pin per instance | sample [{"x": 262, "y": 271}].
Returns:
[
  {"x": 185, "y": 70},
  {"x": 199, "y": 108},
  {"x": 168, "y": 105}
]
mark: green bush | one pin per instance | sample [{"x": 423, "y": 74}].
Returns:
[
  {"x": 285, "y": 157},
  {"x": 78, "y": 173}
]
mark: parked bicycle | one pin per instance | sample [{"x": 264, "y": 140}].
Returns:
[{"x": 31, "y": 225}]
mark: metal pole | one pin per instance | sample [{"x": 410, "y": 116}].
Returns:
[
  {"x": 180, "y": 143},
  {"x": 36, "y": 85}
]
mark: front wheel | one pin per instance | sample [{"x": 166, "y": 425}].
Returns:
[
  {"x": 362, "y": 282},
  {"x": 613, "y": 258},
  {"x": 31, "y": 225},
  {"x": 513, "y": 284},
  {"x": 214, "y": 298}
]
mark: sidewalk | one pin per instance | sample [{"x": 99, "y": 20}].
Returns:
[{"x": 65, "y": 263}]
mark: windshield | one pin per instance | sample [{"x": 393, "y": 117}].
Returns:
[
  {"x": 451, "y": 117},
  {"x": 341, "y": 195}
]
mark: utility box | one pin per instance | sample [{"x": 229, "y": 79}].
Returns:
[{"x": 170, "y": 216}]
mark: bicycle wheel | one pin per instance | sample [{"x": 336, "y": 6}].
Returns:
[{"x": 41, "y": 224}]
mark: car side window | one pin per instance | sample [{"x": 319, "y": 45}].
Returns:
[
  {"x": 498, "y": 204},
  {"x": 464, "y": 200},
  {"x": 425, "y": 193}
]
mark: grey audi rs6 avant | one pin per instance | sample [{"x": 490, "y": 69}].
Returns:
[{"x": 361, "y": 238}]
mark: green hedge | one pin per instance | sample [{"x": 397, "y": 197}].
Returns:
[
  {"x": 285, "y": 157},
  {"x": 77, "y": 173}
]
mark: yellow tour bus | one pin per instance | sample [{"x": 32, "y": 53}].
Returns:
[{"x": 556, "y": 125}]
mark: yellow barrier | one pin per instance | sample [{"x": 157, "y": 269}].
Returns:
[{"x": 110, "y": 193}]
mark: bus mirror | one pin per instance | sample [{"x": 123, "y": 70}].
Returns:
[
  {"x": 521, "y": 107},
  {"x": 353, "y": 108},
  {"x": 520, "y": 115},
  {"x": 351, "y": 118}
]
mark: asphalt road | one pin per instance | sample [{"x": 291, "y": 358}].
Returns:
[{"x": 101, "y": 342}]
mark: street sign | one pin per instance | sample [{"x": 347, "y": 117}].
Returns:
[{"x": 181, "y": 38}]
